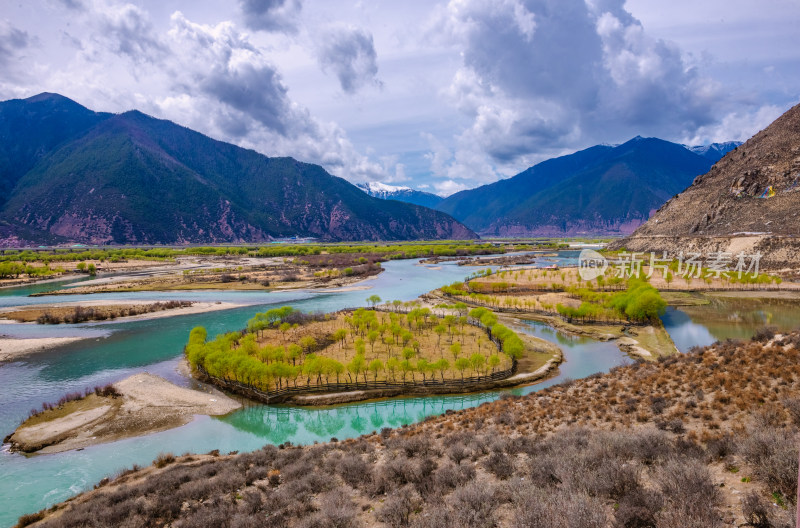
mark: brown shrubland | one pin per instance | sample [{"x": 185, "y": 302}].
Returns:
[{"x": 650, "y": 444}]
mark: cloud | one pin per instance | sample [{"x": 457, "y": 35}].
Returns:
[
  {"x": 447, "y": 187},
  {"x": 14, "y": 63},
  {"x": 219, "y": 63},
  {"x": 222, "y": 84},
  {"x": 12, "y": 42},
  {"x": 350, "y": 54},
  {"x": 129, "y": 31},
  {"x": 539, "y": 76},
  {"x": 735, "y": 126},
  {"x": 271, "y": 15}
]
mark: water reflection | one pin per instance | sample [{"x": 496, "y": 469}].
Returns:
[
  {"x": 279, "y": 424},
  {"x": 730, "y": 316}
]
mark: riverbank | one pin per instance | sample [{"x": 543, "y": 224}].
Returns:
[
  {"x": 69, "y": 270},
  {"x": 147, "y": 404},
  {"x": 546, "y": 371},
  {"x": 648, "y": 342},
  {"x": 106, "y": 308},
  {"x": 230, "y": 273},
  {"x": 13, "y": 348},
  {"x": 183, "y": 284}
]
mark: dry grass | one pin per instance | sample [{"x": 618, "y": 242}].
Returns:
[
  {"x": 644, "y": 445},
  {"x": 537, "y": 279}
]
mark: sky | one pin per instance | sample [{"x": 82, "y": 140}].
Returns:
[{"x": 438, "y": 96}]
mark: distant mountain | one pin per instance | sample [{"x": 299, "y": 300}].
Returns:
[
  {"x": 603, "y": 190},
  {"x": 714, "y": 151},
  {"x": 131, "y": 178},
  {"x": 748, "y": 202},
  {"x": 401, "y": 194}
]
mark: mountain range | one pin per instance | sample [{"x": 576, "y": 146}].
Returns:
[
  {"x": 70, "y": 174},
  {"x": 749, "y": 202},
  {"x": 401, "y": 194},
  {"x": 602, "y": 190}
]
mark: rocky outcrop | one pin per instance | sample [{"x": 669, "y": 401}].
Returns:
[{"x": 749, "y": 201}]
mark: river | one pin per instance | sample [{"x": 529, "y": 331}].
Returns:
[{"x": 117, "y": 350}]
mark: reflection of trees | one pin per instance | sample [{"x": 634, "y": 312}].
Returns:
[
  {"x": 324, "y": 423},
  {"x": 281, "y": 424},
  {"x": 376, "y": 419},
  {"x": 276, "y": 424},
  {"x": 357, "y": 422}
]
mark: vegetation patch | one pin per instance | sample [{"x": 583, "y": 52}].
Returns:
[
  {"x": 628, "y": 301},
  {"x": 81, "y": 314},
  {"x": 283, "y": 350}
]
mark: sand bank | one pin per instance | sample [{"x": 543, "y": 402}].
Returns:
[
  {"x": 13, "y": 348},
  {"x": 147, "y": 404}
]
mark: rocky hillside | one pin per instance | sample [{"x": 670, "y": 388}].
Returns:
[
  {"x": 749, "y": 201},
  {"x": 603, "y": 190},
  {"x": 401, "y": 194},
  {"x": 130, "y": 178},
  {"x": 702, "y": 440}
]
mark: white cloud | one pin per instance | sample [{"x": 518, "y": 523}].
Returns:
[
  {"x": 539, "y": 77},
  {"x": 736, "y": 126},
  {"x": 350, "y": 54},
  {"x": 447, "y": 187}
]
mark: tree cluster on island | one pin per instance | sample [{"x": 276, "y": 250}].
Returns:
[{"x": 283, "y": 348}]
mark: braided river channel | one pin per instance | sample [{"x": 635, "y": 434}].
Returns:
[{"x": 115, "y": 350}]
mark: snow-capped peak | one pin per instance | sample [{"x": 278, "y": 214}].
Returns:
[{"x": 378, "y": 187}]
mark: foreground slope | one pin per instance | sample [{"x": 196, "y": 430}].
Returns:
[
  {"x": 701, "y": 440},
  {"x": 747, "y": 202},
  {"x": 600, "y": 190},
  {"x": 131, "y": 178}
]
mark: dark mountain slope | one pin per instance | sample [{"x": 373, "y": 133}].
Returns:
[
  {"x": 32, "y": 127},
  {"x": 479, "y": 207},
  {"x": 600, "y": 190},
  {"x": 133, "y": 178}
]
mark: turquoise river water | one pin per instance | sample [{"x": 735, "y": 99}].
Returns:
[{"x": 117, "y": 350}]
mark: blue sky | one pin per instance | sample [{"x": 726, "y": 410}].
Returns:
[{"x": 439, "y": 96}]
